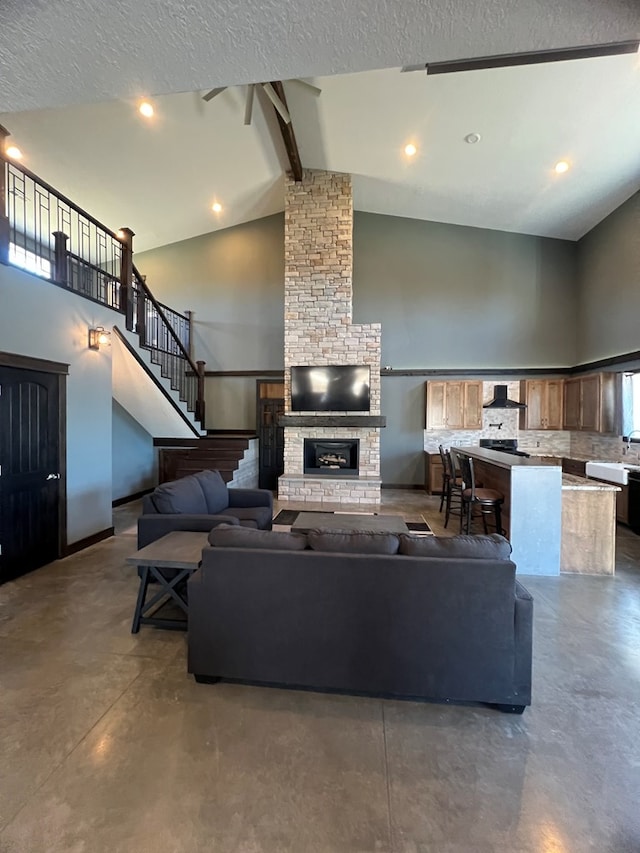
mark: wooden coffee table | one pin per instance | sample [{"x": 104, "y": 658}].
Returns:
[
  {"x": 180, "y": 550},
  {"x": 348, "y": 521}
]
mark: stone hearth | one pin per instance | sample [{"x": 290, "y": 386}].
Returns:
[{"x": 318, "y": 329}]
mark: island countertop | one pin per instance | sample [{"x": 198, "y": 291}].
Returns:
[
  {"x": 575, "y": 483},
  {"x": 555, "y": 521},
  {"x": 503, "y": 460},
  {"x": 531, "y": 506}
]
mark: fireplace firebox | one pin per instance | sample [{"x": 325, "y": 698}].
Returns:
[{"x": 331, "y": 456}]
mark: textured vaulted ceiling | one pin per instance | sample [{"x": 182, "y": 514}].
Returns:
[{"x": 161, "y": 177}]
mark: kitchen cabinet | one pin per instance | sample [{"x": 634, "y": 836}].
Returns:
[
  {"x": 589, "y": 403},
  {"x": 454, "y": 405},
  {"x": 433, "y": 471},
  {"x": 571, "y": 417},
  {"x": 544, "y": 399}
]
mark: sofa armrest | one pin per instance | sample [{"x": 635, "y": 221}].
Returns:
[
  {"x": 152, "y": 527},
  {"x": 523, "y": 629},
  {"x": 250, "y": 498}
]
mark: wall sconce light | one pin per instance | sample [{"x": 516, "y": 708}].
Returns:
[{"x": 99, "y": 337}]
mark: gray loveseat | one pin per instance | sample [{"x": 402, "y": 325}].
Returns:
[
  {"x": 424, "y": 617},
  {"x": 199, "y": 502}
]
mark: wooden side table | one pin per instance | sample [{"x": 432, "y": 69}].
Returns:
[{"x": 180, "y": 550}]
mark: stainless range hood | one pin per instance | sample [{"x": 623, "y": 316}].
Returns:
[{"x": 501, "y": 401}]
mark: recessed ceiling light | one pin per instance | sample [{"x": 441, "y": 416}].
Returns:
[
  {"x": 14, "y": 152},
  {"x": 561, "y": 167},
  {"x": 146, "y": 109},
  {"x": 410, "y": 149},
  {"x": 472, "y": 138},
  {"x": 216, "y": 207}
]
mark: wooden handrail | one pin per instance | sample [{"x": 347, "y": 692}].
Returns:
[{"x": 62, "y": 255}]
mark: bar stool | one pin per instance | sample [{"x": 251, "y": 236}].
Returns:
[
  {"x": 445, "y": 476},
  {"x": 454, "y": 485},
  {"x": 488, "y": 500}
]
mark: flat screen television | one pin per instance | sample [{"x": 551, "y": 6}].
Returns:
[{"x": 331, "y": 388}]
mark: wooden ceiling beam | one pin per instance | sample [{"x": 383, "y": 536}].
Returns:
[{"x": 288, "y": 135}]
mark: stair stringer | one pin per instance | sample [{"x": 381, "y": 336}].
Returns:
[{"x": 139, "y": 387}]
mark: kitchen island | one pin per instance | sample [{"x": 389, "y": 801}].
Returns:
[
  {"x": 554, "y": 521},
  {"x": 532, "y": 509},
  {"x": 588, "y": 526}
]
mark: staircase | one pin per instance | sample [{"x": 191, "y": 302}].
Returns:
[
  {"x": 235, "y": 456},
  {"x": 44, "y": 232}
]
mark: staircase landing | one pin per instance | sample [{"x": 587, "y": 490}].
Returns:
[{"x": 235, "y": 455}]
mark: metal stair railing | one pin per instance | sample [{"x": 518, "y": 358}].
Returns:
[
  {"x": 165, "y": 333},
  {"x": 44, "y": 232}
]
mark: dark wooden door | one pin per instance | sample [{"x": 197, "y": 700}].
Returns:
[
  {"x": 270, "y": 410},
  {"x": 30, "y": 472}
]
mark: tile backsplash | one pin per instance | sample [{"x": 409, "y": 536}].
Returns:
[
  {"x": 610, "y": 448},
  {"x": 585, "y": 445}
]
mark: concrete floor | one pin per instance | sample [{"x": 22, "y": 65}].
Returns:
[{"x": 106, "y": 744}]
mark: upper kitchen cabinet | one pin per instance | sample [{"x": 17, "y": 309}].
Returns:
[
  {"x": 589, "y": 403},
  {"x": 544, "y": 399},
  {"x": 454, "y": 405}
]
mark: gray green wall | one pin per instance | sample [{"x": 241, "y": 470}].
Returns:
[
  {"x": 455, "y": 297},
  {"x": 40, "y": 320},
  {"x": 402, "y": 440},
  {"x": 234, "y": 281},
  {"x": 609, "y": 272},
  {"x": 447, "y": 297},
  {"x": 134, "y": 460}
]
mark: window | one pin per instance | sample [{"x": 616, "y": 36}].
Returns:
[
  {"x": 631, "y": 405},
  {"x": 29, "y": 261}
]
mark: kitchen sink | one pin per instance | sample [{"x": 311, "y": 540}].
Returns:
[{"x": 611, "y": 472}]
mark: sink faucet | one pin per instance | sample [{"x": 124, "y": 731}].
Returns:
[{"x": 633, "y": 432}]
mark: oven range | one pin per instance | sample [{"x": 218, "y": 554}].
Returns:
[{"x": 504, "y": 445}]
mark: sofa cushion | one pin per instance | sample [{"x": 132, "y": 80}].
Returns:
[
  {"x": 255, "y": 516},
  {"x": 491, "y": 547},
  {"x": 228, "y": 536},
  {"x": 183, "y": 497},
  {"x": 353, "y": 542},
  {"x": 215, "y": 490}
]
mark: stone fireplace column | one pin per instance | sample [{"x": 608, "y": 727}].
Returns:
[{"x": 318, "y": 330}]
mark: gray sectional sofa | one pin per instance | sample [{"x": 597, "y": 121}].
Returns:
[
  {"x": 423, "y": 617},
  {"x": 199, "y": 502}
]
